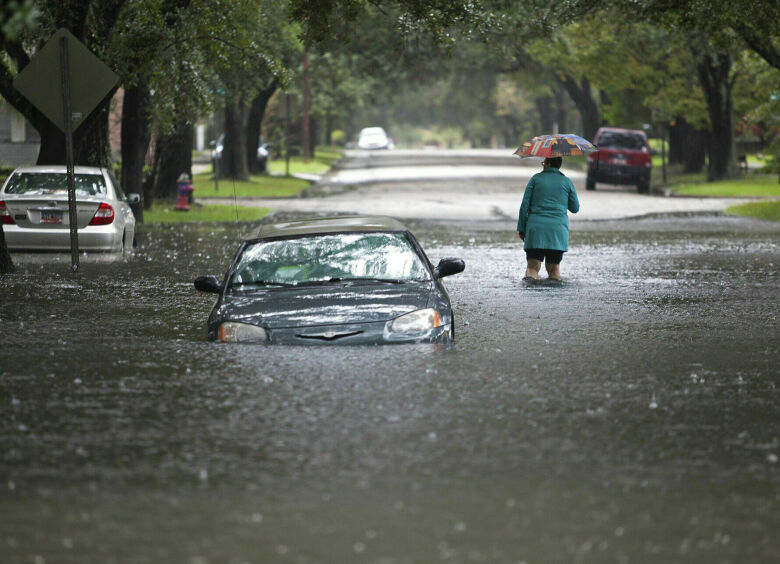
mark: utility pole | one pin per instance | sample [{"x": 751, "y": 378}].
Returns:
[
  {"x": 306, "y": 103},
  {"x": 287, "y": 134}
]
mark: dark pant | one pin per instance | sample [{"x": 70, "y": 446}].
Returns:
[{"x": 550, "y": 255}]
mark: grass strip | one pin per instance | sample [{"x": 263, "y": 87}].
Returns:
[
  {"x": 760, "y": 210},
  {"x": 164, "y": 213},
  {"x": 260, "y": 186},
  {"x": 750, "y": 186},
  {"x": 320, "y": 164}
]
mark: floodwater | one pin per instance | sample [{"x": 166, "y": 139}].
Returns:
[{"x": 627, "y": 415}]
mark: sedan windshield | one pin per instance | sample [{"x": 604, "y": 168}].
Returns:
[
  {"x": 382, "y": 257},
  {"x": 41, "y": 183}
]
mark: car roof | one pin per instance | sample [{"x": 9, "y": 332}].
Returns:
[
  {"x": 338, "y": 224},
  {"x": 372, "y": 131},
  {"x": 62, "y": 169},
  {"x": 619, "y": 130}
]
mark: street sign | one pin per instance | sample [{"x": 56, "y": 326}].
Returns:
[
  {"x": 90, "y": 80},
  {"x": 65, "y": 81}
]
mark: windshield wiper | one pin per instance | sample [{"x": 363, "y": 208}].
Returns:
[
  {"x": 349, "y": 279},
  {"x": 371, "y": 279},
  {"x": 260, "y": 283}
]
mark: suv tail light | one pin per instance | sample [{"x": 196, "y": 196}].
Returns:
[
  {"x": 5, "y": 215},
  {"x": 103, "y": 216}
]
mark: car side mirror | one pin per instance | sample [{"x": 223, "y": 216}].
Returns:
[
  {"x": 133, "y": 198},
  {"x": 448, "y": 267},
  {"x": 208, "y": 284},
  {"x": 212, "y": 144}
]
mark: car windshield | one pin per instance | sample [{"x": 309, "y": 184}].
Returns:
[
  {"x": 386, "y": 257},
  {"x": 621, "y": 140},
  {"x": 41, "y": 183}
]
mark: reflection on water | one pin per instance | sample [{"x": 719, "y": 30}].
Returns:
[{"x": 627, "y": 415}]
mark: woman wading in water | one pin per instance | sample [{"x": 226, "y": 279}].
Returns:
[{"x": 543, "y": 223}]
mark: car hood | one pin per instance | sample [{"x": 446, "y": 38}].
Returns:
[{"x": 326, "y": 305}]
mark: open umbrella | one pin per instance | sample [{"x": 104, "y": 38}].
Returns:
[{"x": 558, "y": 145}]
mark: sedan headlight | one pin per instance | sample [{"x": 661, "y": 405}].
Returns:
[
  {"x": 416, "y": 322},
  {"x": 230, "y": 332}
]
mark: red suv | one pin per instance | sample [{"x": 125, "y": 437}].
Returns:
[{"x": 623, "y": 158}]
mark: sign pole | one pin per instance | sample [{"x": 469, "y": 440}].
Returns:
[{"x": 68, "y": 122}]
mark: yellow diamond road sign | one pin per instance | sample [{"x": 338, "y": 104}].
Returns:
[{"x": 90, "y": 80}]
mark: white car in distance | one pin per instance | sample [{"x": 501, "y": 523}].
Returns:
[{"x": 374, "y": 138}]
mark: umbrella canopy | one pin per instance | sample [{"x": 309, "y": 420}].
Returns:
[{"x": 559, "y": 145}]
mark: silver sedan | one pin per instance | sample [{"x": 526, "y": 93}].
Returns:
[{"x": 34, "y": 210}]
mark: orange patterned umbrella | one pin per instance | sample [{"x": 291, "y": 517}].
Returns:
[{"x": 559, "y": 145}]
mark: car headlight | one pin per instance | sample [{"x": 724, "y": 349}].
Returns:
[
  {"x": 416, "y": 322},
  {"x": 230, "y": 332}
]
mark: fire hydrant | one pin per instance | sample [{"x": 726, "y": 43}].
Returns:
[{"x": 184, "y": 191}]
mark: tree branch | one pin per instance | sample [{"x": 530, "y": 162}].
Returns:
[{"x": 760, "y": 44}]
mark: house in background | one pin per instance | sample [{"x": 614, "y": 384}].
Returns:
[{"x": 19, "y": 142}]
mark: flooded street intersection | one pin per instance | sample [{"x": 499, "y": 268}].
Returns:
[{"x": 627, "y": 415}]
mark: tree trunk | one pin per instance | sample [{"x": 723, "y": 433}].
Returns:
[
  {"x": 315, "y": 134},
  {"x": 582, "y": 96},
  {"x": 173, "y": 156},
  {"x": 686, "y": 146},
  {"x": 135, "y": 142},
  {"x": 716, "y": 84},
  {"x": 676, "y": 141},
  {"x": 90, "y": 141},
  {"x": 254, "y": 124},
  {"x": 328, "y": 127},
  {"x": 562, "y": 109},
  {"x": 545, "y": 112},
  {"x": 52, "y": 149},
  {"x": 695, "y": 154},
  {"x": 6, "y": 264},
  {"x": 234, "y": 162}
]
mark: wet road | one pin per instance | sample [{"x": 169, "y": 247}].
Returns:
[
  {"x": 478, "y": 198},
  {"x": 628, "y": 415}
]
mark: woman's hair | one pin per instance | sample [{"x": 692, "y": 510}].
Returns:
[{"x": 554, "y": 162}]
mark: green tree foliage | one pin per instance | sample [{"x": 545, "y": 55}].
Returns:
[
  {"x": 331, "y": 21},
  {"x": 362, "y": 80},
  {"x": 757, "y": 104},
  {"x": 717, "y": 34},
  {"x": 755, "y": 22},
  {"x": 255, "y": 52},
  {"x": 16, "y": 16},
  {"x": 90, "y": 22}
]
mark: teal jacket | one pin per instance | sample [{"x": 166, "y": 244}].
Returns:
[{"x": 543, "y": 216}]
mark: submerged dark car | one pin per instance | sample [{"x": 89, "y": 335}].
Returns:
[{"x": 340, "y": 280}]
